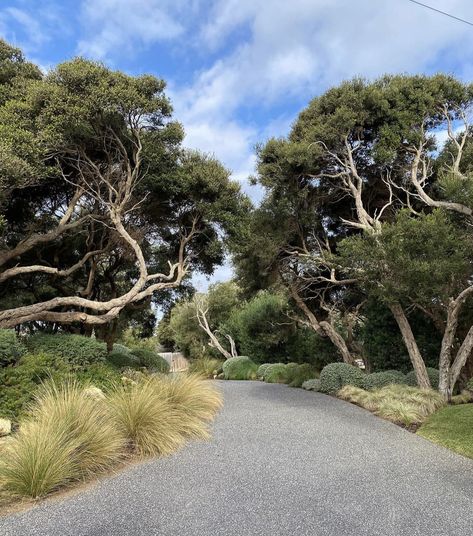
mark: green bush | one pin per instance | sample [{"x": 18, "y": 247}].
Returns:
[
  {"x": 469, "y": 385},
  {"x": 433, "y": 374},
  {"x": 151, "y": 360},
  {"x": 206, "y": 366},
  {"x": 119, "y": 359},
  {"x": 117, "y": 347},
  {"x": 100, "y": 375},
  {"x": 11, "y": 348},
  {"x": 311, "y": 385},
  {"x": 261, "y": 370},
  {"x": 239, "y": 368},
  {"x": 381, "y": 379},
  {"x": 334, "y": 376},
  {"x": 276, "y": 373},
  {"x": 76, "y": 350},
  {"x": 19, "y": 383},
  {"x": 296, "y": 376}
]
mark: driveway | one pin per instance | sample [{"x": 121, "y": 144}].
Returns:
[{"x": 282, "y": 461}]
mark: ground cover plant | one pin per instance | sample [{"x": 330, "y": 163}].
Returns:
[
  {"x": 401, "y": 404},
  {"x": 451, "y": 427}
]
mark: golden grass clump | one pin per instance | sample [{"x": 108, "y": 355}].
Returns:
[
  {"x": 145, "y": 416},
  {"x": 206, "y": 366},
  {"x": 397, "y": 403}
]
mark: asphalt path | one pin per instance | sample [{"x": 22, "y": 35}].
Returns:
[{"x": 282, "y": 461}]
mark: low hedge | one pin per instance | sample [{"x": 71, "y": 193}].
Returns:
[
  {"x": 151, "y": 360},
  {"x": 433, "y": 374},
  {"x": 376, "y": 380},
  {"x": 276, "y": 373},
  {"x": 11, "y": 348},
  {"x": 261, "y": 370},
  {"x": 335, "y": 375},
  {"x": 75, "y": 350},
  {"x": 120, "y": 360},
  {"x": 239, "y": 368},
  {"x": 311, "y": 385}
]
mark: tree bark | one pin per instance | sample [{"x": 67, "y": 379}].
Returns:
[{"x": 411, "y": 345}]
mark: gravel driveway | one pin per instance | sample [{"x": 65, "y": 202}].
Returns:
[{"x": 282, "y": 461}]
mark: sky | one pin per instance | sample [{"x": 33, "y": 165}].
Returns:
[{"x": 239, "y": 71}]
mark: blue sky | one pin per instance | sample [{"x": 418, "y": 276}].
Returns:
[{"x": 239, "y": 71}]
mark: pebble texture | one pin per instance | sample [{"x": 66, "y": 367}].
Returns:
[{"x": 282, "y": 461}]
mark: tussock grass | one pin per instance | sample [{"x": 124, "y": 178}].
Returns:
[
  {"x": 206, "y": 366},
  {"x": 144, "y": 415},
  {"x": 397, "y": 403}
]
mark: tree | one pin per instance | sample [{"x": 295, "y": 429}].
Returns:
[{"x": 114, "y": 211}]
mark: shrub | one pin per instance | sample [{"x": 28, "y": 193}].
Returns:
[
  {"x": 206, "y": 366},
  {"x": 151, "y": 360},
  {"x": 11, "y": 348},
  {"x": 311, "y": 385},
  {"x": 261, "y": 370},
  {"x": 299, "y": 374},
  {"x": 101, "y": 375},
  {"x": 239, "y": 368},
  {"x": 433, "y": 374},
  {"x": 469, "y": 384},
  {"x": 76, "y": 350},
  {"x": 381, "y": 379},
  {"x": 19, "y": 383},
  {"x": 119, "y": 359},
  {"x": 334, "y": 376},
  {"x": 397, "y": 403},
  {"x": 276, "y": 373},
  {"x": 145, "y": 416}
]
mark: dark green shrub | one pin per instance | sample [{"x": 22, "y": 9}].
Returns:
[
  {"x": 20, "y": 382},
  {"x": 381, "y": 379},
  {"x": 296, "y": 376},
  {"x": 334, "y": 376},
  {"x": 120, "y": 360},
  {"x": 239, "y": 368},
  {"x": 311, "y": 385},
  {"x": 11, "y": 348},
  {"x": 433, "y": 374},
  {"x": 261, "y": 370},
  {"x": 100, "y": 375},
  {"x": 76, "y": 350},
  {"x": 150, "y": 360},
  {"x": 276, "y": 373}
]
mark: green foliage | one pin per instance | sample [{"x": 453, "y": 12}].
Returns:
[
  {"x": 377, "y": 380},
  {"x": 261, "y": 370},
  {"x": 276, "y": 373},
  {"x": 298, "y": 375},
  {"x": 239, "y": 368},
  {"x": 150, "y": 360},
  {"x": 334, "y": 376},
  {"x": 451, "y": 428},
  {"x": 76, "y": 350},
  {"x": 120, "y": 359},
  {"x": 469, "y": 384},
  {"x": 102, "y": 375},
  {"x": 398, "y": 403},
  {"x": 312, "y": 384},
  {"x": 11, "y": 348},
  {"x": 433, "y": 374},
  {"x": 206, "y": 367}
]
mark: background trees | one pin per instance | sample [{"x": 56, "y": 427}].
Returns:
[{"x": 105, "y": 208}]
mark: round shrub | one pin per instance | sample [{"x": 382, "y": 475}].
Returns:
[
  {"x": 469, "y": 385},
  {"x": 296, "y": 376},
  {"x": 261, "y": 370},
  {"x": 150, "y": 360},
  {"x": 276, "y": 373},
  {"x": 76, "y": 350},
  {"x": 119, "y": 359},
  {"x": 11, "y": 348},
  {"x": 239, "y": 368},
  {"x": 334, "y": 376},
  {"x": 381, "y": 379},
  {"x": 311, "y": 385},
  {"x": 433, "y": 374}
]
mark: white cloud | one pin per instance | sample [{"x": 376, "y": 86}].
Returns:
[{"x": 112, "y": 27}]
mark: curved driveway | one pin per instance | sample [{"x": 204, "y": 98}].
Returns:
[{"x": 282, "y": 461}]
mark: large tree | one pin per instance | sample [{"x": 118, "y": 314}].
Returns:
[{"x": 102, "y": 207}]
